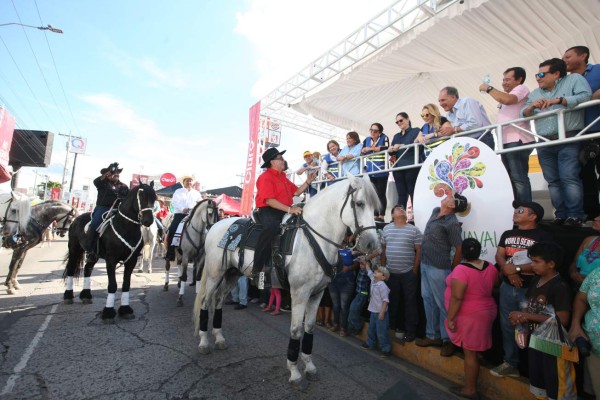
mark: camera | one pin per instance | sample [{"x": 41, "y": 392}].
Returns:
[{"x": 584, "y": 346}]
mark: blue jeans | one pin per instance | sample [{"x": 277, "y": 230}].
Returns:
[
  {"x": 341, "y": 290},
  {"x": 405, "y": 284},
  {"x": 560, "y": 166},
  {"x": 97, "y": 216},
  {"x": 355, "y": 320},
  {"x": 433, "y": 286},
  {"x": 511, "y": 299},
  {"x": 517, "y": 166},
  {"x": 239, "y": 294},
  {"x": 379, "y": 332}
]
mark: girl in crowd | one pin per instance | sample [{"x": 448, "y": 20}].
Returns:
[
  {"x": 375, "y": 143},
  {"x": 407, "y": 178}
]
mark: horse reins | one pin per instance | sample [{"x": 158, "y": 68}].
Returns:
[{"x": 209, "y": 223}]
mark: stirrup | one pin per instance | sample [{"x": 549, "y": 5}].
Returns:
[{"x": 260, "y": 284}]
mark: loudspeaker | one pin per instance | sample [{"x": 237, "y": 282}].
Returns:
[{"x": 31, "y": 148}]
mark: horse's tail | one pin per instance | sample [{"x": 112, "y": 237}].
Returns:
[
  {"x": 78, "y": 262},
  {"x": 199, "y": 300}
]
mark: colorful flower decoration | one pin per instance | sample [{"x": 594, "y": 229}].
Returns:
[{"x": 457, "y": 172}]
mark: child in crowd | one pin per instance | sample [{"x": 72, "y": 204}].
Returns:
[
  {"x": 275, "y": 296},
  {"x": 549, "y": 376},
  {"x": 379, "y": 323}
]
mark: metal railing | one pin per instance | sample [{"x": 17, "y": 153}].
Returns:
[{"x": 495, "y": 130}]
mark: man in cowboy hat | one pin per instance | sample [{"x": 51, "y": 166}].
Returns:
[
  {"x": 184, "y": 199},
  {"x": 110, "y": 188},
  {"x": 274, "y": 197}
]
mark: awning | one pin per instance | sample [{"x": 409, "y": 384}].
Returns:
[
  {"x": 228, "y": 205},
  {"x": 456, "y": 48}
]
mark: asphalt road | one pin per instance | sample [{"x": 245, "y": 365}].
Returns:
[{"x": 50, "y": 350}]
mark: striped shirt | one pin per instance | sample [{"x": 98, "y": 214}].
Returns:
[{"x": 400, "y": 242}]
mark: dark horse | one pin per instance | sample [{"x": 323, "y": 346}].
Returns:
[
  {"x": 41, "y": 217},
  {"x": 120, "y": 241}
]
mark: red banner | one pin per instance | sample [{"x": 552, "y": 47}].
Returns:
[
  {"x": 136, "y": 179},
  {"x": 251, "y": 163},
  {"x": 7, "y": 127},
  {"x": 55, "y": 193}
]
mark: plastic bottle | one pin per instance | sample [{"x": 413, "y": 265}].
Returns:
[{"x": 486, "y": 79}]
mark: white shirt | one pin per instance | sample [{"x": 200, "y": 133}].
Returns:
[{"x": 183, "y": 198}]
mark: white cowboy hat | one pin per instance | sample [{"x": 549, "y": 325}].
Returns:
[{"x": 184, "y": 177}]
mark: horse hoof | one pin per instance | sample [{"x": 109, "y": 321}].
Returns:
[
  {"x": 10, "y": 291},
  {"x": 86, "y": 301},
  {"x": 126, "y": 312},
  {"x": 221, "y": 345},
  {"x": 301, "y": 385},
  {"x": 149, "y": 271},
  {"x": 108, "y": 313},
  {"x": 86, "y": 294},
  {"x": 68, "y": 295},
  {"x": 139, "y": 271},
  {"x": 204, "y": 349},
  {"x": 68, "y": 301},
  {"x": 166, "y": 287},
  {"x": 180, "y": 302},
  {"x": 312, "y": 376}
]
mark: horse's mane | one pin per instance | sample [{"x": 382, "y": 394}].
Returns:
[
  {"x": 24, "y": 206},
  {"x": 339, "y": 190}
]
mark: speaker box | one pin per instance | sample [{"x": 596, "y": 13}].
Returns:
[{"x": 31, "y": 148}]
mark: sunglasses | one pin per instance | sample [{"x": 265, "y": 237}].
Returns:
[
  {"x": 540, "y": 75},
  {"x": 425, "y": 115},
  {"x": 401, "y": 120},
  {"x": 373, "y": 130},
  {"x": 520, "y": 210}
]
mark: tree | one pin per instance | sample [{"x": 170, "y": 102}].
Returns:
[{"x": 52, "y": 184}]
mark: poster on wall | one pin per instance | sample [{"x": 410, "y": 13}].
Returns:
[{"x": 468, "y": 167}]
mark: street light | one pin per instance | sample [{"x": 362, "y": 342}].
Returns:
[{"x": 42, "y": 28}]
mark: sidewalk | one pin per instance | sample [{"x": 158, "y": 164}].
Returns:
[{"x": 451, "y": 368}]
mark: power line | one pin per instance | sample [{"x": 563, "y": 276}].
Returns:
[
  {"x": 56, "y": 69},
  {"x": 39, "y": 66}
]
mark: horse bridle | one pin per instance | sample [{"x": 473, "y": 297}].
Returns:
[
  {"x": 209, "y": 223},
  {"x": 5, "y": 219},
  {"x": 358, "y": 229},
  {"x": 65, "y": 217},
  {"x": 140, "y": 212}
]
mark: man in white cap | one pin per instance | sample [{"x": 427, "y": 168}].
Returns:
[{"x": 184, "y": 200}]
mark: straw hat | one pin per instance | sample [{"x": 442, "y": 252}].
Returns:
[{"x": 184, "y": 177}]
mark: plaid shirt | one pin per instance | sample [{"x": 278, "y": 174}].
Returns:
[{"x": 362, "y": 282}]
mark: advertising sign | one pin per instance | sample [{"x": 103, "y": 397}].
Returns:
[
  {"x": 78, "y": 145},
  {"x": 7, "y": 127},
  {"x": 136, "y": 179},
  {"x": 168, "y": 179},
  {"x": 251, "y": 162},
  {"x": 55, "y": 193},
  {"x": 468, "y": 167}
]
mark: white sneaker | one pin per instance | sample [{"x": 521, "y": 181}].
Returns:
[{"x": 400, "y": 335}]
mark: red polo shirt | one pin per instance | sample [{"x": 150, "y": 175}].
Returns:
[{"x": 273, "y": 184}]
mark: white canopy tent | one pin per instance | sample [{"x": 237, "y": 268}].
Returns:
[{"x": 445, "y": 43}]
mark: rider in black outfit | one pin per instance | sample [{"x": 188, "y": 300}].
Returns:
[{"x": 110, "y": 188}]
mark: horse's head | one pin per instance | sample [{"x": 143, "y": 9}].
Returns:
[
  {"x": 65, "y": 219},
  {"x": 357, "y": 212},
  {"x": 11, "y": 226},
  {"x": 212, "y": 213},
  {"x": 144, "y": 196}
]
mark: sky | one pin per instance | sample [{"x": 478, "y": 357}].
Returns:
[{"x": 161, "y": 86}]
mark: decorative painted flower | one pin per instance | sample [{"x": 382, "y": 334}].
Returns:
[{"x": 457, "y": 172}]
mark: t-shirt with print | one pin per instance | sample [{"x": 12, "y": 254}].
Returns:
[
  {"x": 555, "y": 292},
  {"x": 591, "y": 288},
  {"x": 516, "y": 240}
]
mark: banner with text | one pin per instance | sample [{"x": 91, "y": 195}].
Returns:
[{"x": 251, "y": 162}]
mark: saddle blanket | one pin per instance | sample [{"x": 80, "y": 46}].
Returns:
[{"x": 177, "y": 237}]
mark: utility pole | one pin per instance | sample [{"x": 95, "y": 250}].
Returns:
[{"x": 64, "y": 178}]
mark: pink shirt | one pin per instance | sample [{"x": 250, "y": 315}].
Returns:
[{"x": 510, "y": 134}]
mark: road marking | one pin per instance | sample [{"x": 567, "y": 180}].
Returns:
[{"x": 10, "y": 383}]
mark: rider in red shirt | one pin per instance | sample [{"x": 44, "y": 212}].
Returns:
[{"x": 275, "y": 193}]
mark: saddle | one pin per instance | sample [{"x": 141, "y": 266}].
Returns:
[{"x": 244, "y": 234}]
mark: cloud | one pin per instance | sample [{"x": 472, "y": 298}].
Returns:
[{"x": 148, "y": 70}]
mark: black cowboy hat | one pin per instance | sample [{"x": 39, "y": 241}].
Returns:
[
  {"x": 270, "y": 154},
  {"x": 113, "y": 168}
]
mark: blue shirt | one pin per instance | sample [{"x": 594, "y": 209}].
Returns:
[
  {"x": 592, "y": 76},
  {"x": 468, "y": 114},
  {"x": 353, "y": 165},
  {"x": 408, "y": 138},
  {"x": 575, "y": 89}
]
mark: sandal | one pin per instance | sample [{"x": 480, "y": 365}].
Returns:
[
  {"x": 266, "y": 309},
  {"x": 276, "y": 312},
  {"x": 328, "y": 325},
  {"x": 458, "y": 391},
  {"x": 319, "y": 323}
]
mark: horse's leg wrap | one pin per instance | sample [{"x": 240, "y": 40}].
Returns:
[
  {"x": 293, "y": 350},
  {"x": 307, "y": 343},
  {"x": 218, "y": 318},
  {"x": 69, "y": 285},
  {"x": 87, "y": 283},
  {"x": 203, "y": 320}
]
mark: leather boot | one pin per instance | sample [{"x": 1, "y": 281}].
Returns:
[{"x": 91, "y": 241}]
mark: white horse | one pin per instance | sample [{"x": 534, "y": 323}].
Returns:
[
  {"x": 191, "y": 246},
  {"x": 16, "y": 208},
  {"x": 346, "y": 204},
  {"x": 149, "y": 236}
]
